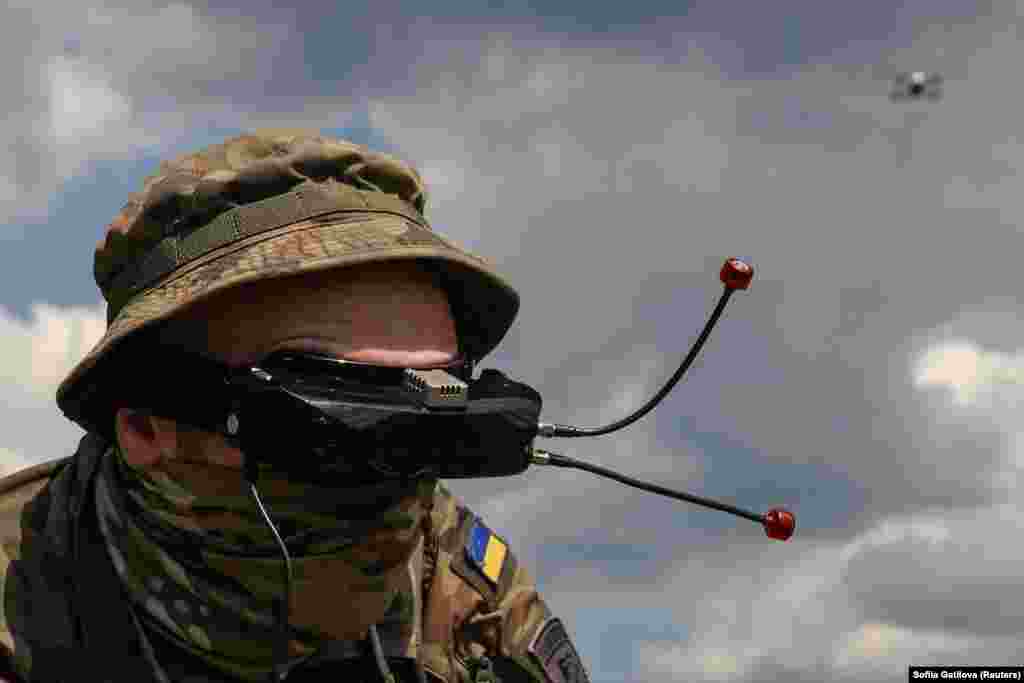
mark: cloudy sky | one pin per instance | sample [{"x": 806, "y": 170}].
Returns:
[{"x": 609, "y": 161}]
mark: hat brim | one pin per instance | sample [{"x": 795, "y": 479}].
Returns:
[{"x": 483, "y": 303}]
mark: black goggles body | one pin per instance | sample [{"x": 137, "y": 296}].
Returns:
[{"x": 316, "y": 416}]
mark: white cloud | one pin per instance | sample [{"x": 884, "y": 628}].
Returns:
[
  {"x": 443, "y": 180},
  {"x": 97, "y": 81},
  {"x": 968, "y": 370},
  {"x": 83, "y": 103},
  {"x": 35, "y": 355},
  {"x": 988, "y": 387},
  {"x": 876, "y": 648},
  {"x": 156, "y": 39}
]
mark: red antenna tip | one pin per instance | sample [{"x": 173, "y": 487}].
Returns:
[
  {"x": 737, "y": 274},
  {"x": 779, "y": 524}
]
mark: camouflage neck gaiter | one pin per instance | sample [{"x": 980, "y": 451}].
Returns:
[{"x": 204, "y": 571}]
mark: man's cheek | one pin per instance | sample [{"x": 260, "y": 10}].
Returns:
[
  {"x": 209, "y": 448},
  {"x": 219, "y": 452}
]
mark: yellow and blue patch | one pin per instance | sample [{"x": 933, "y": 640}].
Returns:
[{"x": 486, "y": 551}]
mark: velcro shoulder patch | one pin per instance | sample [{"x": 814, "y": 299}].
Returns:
[
  {"x": 486, "y": 551},
  {"x": 481, "y": 558},
  {"x": 552, "y": 650}
]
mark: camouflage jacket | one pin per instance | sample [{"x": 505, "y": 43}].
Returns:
[{"x": 65, "y": 615}]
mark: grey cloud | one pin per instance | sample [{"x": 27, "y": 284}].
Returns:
[
  {"x": 967, "y": 584},
  {"x": 174, "y": 67}
]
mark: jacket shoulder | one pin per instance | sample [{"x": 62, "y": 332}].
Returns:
[
  {"x": 36, "y": 475},
  {"x": 16, "y": 491},
  {"x": 483, "y": 602},
  {"x": 471, "y": 552}
]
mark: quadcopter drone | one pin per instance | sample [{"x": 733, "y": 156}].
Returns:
[{"x": 917, "y": 85}]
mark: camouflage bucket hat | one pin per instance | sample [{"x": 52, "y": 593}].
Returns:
[{"x": 270, "y": 204}]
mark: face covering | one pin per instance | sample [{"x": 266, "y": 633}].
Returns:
[{"x": 203, "y": 570}]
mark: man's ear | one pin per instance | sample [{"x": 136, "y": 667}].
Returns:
[{"x": 145, "y": 440}]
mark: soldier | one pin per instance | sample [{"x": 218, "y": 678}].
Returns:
[{"x": 140, "y": 558}]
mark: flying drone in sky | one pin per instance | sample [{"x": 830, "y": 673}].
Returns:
[{"x": 917, "y": 85}]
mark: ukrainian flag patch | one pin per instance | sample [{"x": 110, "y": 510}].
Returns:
[{"x": 486, "y": 551}]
